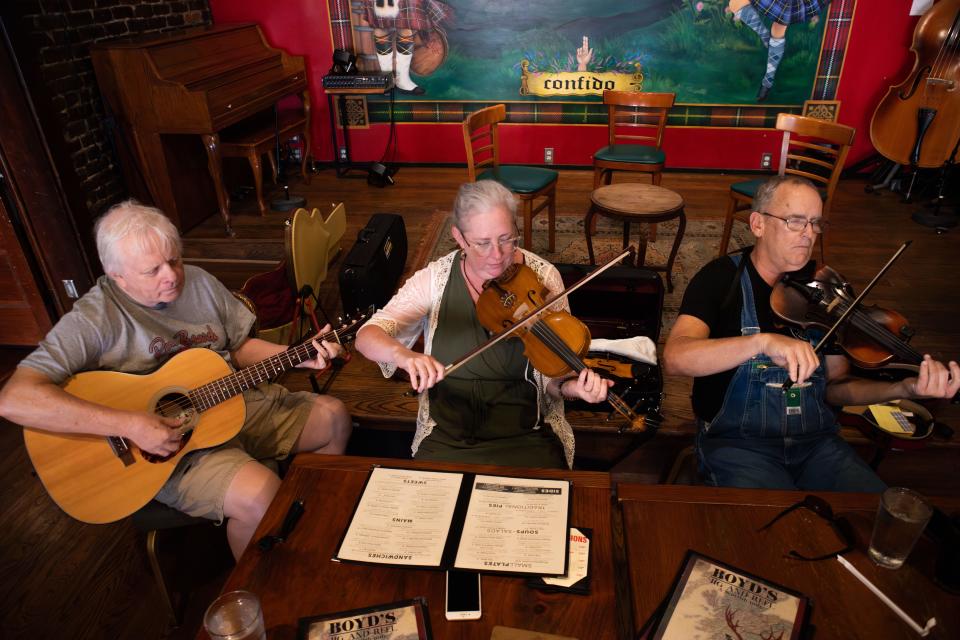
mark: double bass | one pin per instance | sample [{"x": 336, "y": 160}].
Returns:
[{"x": 918, "y": 122}]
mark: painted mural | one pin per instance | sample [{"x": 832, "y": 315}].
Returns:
[{"x": 708, "y": 52}]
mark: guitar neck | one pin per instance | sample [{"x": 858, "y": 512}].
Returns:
[{"x": 213, "y": 393}]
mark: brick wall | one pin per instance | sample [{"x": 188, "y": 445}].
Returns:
[{"x": 52, "y": 43}]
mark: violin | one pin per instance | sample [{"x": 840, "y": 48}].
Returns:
[
  {"x": 555, "y": 342},
  {"x": 872, "y": 337},
  {"x": 918, "y": 121}
]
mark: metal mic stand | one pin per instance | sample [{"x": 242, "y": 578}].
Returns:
[
  {"x": 935, "y": 219},
  {"x": 287, "y": 202}
]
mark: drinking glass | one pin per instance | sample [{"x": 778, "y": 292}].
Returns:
[
  {"x": 901, "y": 518},
  {"x": 235, "y": 616}
]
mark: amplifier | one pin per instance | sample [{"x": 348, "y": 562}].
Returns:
[
  {"x": 372, "y": 82},
  {"x": 371, "y": 271}
]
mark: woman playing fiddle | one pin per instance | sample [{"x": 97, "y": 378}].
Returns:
[
  {"x": 752, "y": 432},
  {"x": 496, "y": 409}
]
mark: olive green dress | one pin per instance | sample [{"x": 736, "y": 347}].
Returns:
[{"x": 485, "y": 411}]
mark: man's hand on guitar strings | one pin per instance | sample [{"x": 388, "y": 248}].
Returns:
[{"x": 155, "y": 434}]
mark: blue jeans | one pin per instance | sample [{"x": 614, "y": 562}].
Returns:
[{"x": 822, "y": 462}]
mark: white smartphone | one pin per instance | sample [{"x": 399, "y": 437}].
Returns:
[{"x": 463, "y": 595}]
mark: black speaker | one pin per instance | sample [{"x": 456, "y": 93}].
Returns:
[
  {"x": 380, "y": 175},
  {"x": 371, "y": 270}
]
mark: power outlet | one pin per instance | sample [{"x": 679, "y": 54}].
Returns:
[
  {"x": 766, "y": 161},
  {"x": 548, "y": 155},
  {"x": 343, "y": 154}
]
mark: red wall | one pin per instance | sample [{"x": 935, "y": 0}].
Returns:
[{"x": 878, "y": 55}]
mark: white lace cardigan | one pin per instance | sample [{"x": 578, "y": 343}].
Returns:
[{"x": 415, "y": 309}]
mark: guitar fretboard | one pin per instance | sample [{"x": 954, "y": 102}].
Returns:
[{"x": 213, "y": 393}]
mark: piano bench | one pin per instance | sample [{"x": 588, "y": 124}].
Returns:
[{"x": 257, "y": 137}]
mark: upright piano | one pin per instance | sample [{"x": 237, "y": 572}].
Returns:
[{"x": 173, "y": 93}]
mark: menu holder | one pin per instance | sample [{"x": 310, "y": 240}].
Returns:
[
  {"x": 404, "y": 620},
  {"x": 444, "y": 519},
  {"x": 713, "y": 599},
  {"x": 577, "y": 578}
]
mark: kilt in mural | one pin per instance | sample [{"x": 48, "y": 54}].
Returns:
[{"x": 770, "y": 55}]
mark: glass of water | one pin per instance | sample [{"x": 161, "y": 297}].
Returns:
[
  {"x": 901, "y": 518},
  {"x": 235, "y": 615}
]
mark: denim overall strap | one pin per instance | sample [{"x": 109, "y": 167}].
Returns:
[{"x": 755, "y": 405}]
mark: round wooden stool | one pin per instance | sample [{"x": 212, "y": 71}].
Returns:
[{"x": 638, "y": 202}]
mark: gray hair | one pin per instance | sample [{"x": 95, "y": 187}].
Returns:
[
  {"x": 147, "y": 225},
  {"x": 481, "y": 196},
  {"x": 768, "y": 189}
]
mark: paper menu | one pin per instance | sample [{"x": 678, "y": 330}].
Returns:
[
  {"x": 516, "y": 525},
  {"x": 403, "y": 517}
]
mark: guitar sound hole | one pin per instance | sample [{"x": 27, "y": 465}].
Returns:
[{"x": 177, "y": 406}]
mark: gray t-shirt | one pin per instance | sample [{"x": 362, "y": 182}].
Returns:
[{"x": 107, "y": 331}]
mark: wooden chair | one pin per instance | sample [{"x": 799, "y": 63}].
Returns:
[
  {"x": 812, "y": 148},
  {"x": 152, "y": 520},
  {"x": 256, "y": 137},
  {"x": 481, "y": 138},
  {"x": 286, "y": 297},
  {"x": 635, "y": 124}
]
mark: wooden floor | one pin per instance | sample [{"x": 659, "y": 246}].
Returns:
[{"x": 60, "y": 578}]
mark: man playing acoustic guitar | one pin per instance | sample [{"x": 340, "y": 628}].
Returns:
[{"x": 146, "y": 309}]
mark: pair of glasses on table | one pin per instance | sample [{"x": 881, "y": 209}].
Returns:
[{"x": 821, "y": 508}]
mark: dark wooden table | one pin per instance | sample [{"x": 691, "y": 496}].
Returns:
[
  {"x": 297, "y": 578},
  {"x": 661, "y": 522}
]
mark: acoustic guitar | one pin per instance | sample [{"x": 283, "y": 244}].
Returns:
[{"x": 100, "y": 479}]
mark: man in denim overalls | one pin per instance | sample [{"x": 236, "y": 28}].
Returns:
[{"x": 753, "y": 433}]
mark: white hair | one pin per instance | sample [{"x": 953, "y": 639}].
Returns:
[
  {"x": 146, "y": 225},
  {"x": 479, "y": 197}
]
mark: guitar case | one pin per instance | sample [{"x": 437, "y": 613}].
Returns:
[
  {"x": 371, "y": 270},
  {"x": 622, "y": 302}
]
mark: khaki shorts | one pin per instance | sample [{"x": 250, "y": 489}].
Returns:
[{"x": 275, "y": 418}]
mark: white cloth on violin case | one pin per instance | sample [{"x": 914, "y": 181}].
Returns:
[{"x": 640, "y": 348}]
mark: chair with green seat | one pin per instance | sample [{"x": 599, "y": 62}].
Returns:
[
  {"x": 481, "y": 138},
  {"x": 812, "y": 148},
  {"x": 635, "y": 124}
]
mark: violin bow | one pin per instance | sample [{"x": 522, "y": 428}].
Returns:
[
  {"x": 532, "y": 316},
  {"x": 853, "y": 305}
]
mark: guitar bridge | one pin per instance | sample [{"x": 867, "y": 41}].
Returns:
[{"x": 121, "y": 449}]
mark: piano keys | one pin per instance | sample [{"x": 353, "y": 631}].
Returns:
[{"x": 173, "y": 93}]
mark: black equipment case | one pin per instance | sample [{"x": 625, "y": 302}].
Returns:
[
  {"x": 371, "y": 271},
  {"x": 622, "y": 302}
]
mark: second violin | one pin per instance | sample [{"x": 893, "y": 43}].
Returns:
[{"x": 872, "y": 337}]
